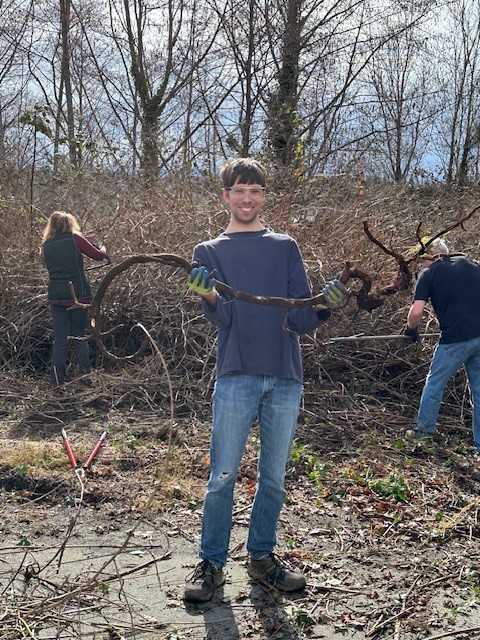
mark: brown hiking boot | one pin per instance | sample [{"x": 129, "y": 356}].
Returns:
[
  {"x": 202, "y": 583},
  {"x": 273, "y": 572}
]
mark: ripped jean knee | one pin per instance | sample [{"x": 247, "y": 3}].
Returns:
[{"x": 221, "y": 480}]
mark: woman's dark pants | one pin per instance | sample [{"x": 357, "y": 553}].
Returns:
[{"x": 68, "y": 323}]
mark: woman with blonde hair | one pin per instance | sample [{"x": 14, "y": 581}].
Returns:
[{"x": 63, "y": 248}]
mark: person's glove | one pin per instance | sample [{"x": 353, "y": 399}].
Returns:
[
  {"x": 412, "y": 334},
  {"x": 199, "y": 281},
  {"x": 335, "y": 294},
  {"x": 102, "y": 247}
]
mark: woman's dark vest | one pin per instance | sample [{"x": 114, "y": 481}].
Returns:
[{"x": 64, "y": 262}]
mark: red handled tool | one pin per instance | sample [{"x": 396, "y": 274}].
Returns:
[{"x": 81, "y": 468}]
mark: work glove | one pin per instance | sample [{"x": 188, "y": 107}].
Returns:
[
  {"x": 335, "y": 294},
  {"x": 103, "y": 248},
  {"x": 199, "y": 281},
  {"x": 412, "y": 334}
]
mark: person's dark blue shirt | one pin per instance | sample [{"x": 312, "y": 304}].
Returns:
[{"x": 452, "y": 284}]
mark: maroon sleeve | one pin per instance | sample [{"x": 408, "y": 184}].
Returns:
[{"x": 88, "y": 249}]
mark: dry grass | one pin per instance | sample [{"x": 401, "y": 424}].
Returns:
[{"x": 24, "y": 456}]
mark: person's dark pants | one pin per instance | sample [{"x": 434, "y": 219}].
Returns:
[{"x": 68, "y": 323}]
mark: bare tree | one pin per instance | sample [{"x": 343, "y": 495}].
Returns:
[
  {"x": 327, "y": 49},
  {"x": 244, "y": 28},
  {"x": 323, "y": 49},
  {"x": 402, "y": 106},
  {"x": 15, "y": 18},
  {"x": 283, "y": 122},
  {"x": 66, "y": 82},
  {"x": 169, "y": 60},
  {"x": 57, "y": 62},
  {"x": 461, "y": 85}
]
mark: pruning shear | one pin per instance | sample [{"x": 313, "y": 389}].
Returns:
[{"x": 81, "y": 468}]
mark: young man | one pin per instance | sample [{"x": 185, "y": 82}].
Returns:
[
  {"x": 259, "y": 374},
  {"x": 452, "y": 284}
]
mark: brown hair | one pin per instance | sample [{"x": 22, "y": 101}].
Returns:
[
  {"x": 60, "y": 222},
  {"x": 245, "y": 170}
]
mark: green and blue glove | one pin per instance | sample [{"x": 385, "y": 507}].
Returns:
[
  {"x": 335, "y": 294},
  {"x": 199, "y": 281}
]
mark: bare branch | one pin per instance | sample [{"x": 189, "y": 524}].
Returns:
[{"x": 454, "y": 225}]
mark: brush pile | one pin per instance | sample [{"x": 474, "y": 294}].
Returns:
[{"x": 151, "y": 300}]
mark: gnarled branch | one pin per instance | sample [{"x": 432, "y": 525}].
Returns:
[
  {"x": 176, "y": 261},
  {"x": 116, "y": 270},
  {"x": 369, "y": 301}
]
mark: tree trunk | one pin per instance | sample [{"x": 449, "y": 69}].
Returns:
[
  {"x": 283, "y": 120},
  {"x": 65, "y": 16}
]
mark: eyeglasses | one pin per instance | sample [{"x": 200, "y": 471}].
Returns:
[{"x": 255, "y": 192}]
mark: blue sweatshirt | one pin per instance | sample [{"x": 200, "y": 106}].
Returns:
[{"x": 257, "y": 339}]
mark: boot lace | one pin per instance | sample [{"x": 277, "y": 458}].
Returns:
[
  {"x": 204, "y": 570},
  {"x": 279, "y": 567}
]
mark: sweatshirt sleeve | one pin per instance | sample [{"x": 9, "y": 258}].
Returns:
[
  {"x": 221, "y": 316},
  {"x": 303, "y": 320},
  {"x": 89, "y": 249}
]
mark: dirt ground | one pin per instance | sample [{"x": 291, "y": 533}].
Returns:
[{"x": 386, "y": 531}]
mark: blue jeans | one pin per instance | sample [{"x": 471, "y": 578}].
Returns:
[
  {"x": 447, "y": 359},
  {"x": 68, "y": 323},
  {"x": 237, "y": 401}
]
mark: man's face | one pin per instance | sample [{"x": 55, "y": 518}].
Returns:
[{"x": 244, "y": 201}]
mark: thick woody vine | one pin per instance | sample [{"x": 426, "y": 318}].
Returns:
[{"x": 367, "y": 297}]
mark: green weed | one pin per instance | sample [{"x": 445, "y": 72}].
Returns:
[
  {"x": 308, "y": 463},
  {"x": 301, "y": 617},
  {"x": 391, "y": 487}
]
